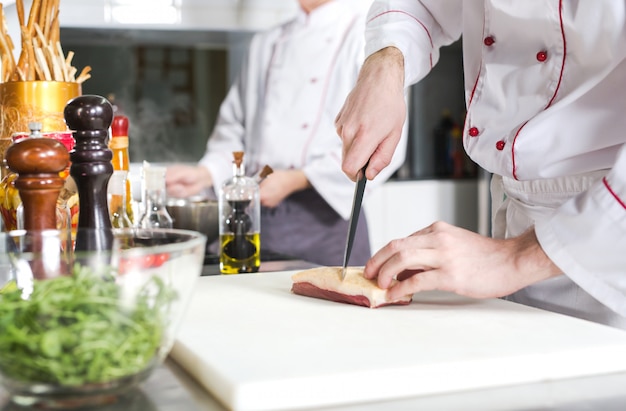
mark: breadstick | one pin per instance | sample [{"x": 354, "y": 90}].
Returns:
[
  {"x": 29, "y": 54},
  {"x": 82, "y": 78},
  {"x": 84, "y": 71},
  {"x": 71, "y": 74},
  {"x": 56, "y": 69},
  {"x": 6, "y": 48},
  {"x": 43, "y": 65},
  {"x": 55, "y": 31},
  {"x": 61, "y": 59},
  {"x": 40, "y": 36},
  {"x": 44, "y": 16},
  {"x": 68, "y": 59},
  {"x": 32, "y": 16},
  {"x": 84, "y": 74},
  {"x": 3, "y": 60},
  {"x": 21, "y": 75},
  {"x": 19, "y": 4}
]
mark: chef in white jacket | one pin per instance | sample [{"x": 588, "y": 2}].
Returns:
[
  {"x": 545, "y": 89},
  {"x": 280, "y": 111}
]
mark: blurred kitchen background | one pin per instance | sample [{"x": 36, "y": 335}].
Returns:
[{"x": 167, "y": 65}]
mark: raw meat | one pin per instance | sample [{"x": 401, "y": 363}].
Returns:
[{"x": 326, "y": 283}]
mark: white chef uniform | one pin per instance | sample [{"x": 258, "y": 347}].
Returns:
[
  {"x": 281, "y": 109},
  {"x": 546, "y": 95}
]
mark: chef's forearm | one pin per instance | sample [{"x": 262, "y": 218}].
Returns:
[
  {"x": 298, "y": 181},
  {"x": 531, "y": 260}
]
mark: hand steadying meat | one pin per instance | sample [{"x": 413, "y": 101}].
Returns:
[{"x": 449, "y": 258}]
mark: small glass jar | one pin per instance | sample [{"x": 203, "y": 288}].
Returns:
[{"x": 154, "y": 198}]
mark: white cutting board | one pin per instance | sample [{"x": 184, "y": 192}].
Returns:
[{"x": 256, "y": 346}]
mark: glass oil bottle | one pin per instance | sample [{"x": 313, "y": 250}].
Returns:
[
  {"x": 116, "y": 196},
  {"x": 121, "y": 160},
  {"x": 240, "y": 222}
]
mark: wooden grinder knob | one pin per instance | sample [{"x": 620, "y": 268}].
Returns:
[
  {"x": 38, "y": 162},
  {"x": 89, "y": 117}
]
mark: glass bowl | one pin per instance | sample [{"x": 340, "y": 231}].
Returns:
[{"x": 81, "y": 327}]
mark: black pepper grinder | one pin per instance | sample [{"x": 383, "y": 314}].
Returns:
[{"x": 89, "y": 117}]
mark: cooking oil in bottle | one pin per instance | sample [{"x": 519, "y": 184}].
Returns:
[
  {"x": 116, "y": 198},
  {"x": 240, "y": 216}
]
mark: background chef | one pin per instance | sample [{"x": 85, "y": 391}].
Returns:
[{"x": 280, "y": 111}]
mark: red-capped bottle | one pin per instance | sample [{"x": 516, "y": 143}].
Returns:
[{"x": 118, "y": 144}]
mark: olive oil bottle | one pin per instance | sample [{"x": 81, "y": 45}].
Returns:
[{"x": 240, "y": 221}]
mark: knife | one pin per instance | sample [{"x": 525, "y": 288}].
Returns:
[{"x": 354, "y": 217}]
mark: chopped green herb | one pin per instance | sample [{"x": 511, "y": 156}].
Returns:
[{"x": 74, "y": 330}]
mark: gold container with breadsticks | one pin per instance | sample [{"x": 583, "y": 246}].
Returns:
[
  {"x": 23, "y": 102},
  {"x": 36, "y": 86}
]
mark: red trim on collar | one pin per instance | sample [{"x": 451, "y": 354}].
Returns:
[{"x": 613, "y": 193}]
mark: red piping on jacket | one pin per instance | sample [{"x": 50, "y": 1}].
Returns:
[
  {"x": 613, "y": 193},
  {"x": 325, "y": 92},
  {"x": 471, "y": 98},
  {"x": 558, "y": 86},
  {"x": 430, "y": 39}
]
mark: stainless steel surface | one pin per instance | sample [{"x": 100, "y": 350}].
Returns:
[
  {"x": 197, "y": 214},
  {"x": 354, "y": 217}
]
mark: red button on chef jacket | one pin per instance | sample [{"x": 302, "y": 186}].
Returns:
[{"x": 542, "y": 56}]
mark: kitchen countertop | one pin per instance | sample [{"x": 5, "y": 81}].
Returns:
[{"x": 170, "y": 388}]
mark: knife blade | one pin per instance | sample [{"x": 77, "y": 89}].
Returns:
[{"x": 354, "y": 217}]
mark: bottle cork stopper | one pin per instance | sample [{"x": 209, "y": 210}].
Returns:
[
  {"x": 119, "y": 126},
  {"x": 238, "y": 157}
]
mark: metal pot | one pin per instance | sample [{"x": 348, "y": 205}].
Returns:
[{"x": 197, "y": 214}]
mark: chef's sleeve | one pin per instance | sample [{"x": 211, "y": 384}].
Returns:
[
  {"x": 586, "y": 238},
  {"x": 229, "y": 130},
  {"x": 417, "y": 28}
]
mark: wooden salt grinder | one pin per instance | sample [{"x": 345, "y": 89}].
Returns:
[
  {"x": 89, "y": 118},
  {"x": 38, "y": 162}
]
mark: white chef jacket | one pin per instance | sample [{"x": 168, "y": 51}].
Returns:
[
  {"x": 281, "y": 109},
  {"x": 545, "y": 85}
]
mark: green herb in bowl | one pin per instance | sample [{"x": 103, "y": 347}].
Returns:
[{"x": 75, "y": 330}]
